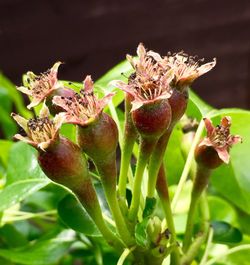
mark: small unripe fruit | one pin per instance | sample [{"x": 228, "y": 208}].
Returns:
[
  {"x": 207, "y": 157},
  {"x": 178, "y": 102},
  {"x": 152, "y": 119},
  {"x": 64, "y": 163},
  {"x": 99, "y": 139}
]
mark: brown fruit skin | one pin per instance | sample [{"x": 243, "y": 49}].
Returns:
[
  {"x": 63, "y": 92},
  {"x": 178, "y": 102},
  {"x": 152, "y": 119},
  {"x": 99, "y": 140},
  {"x": 64, "y": 163},
  {"x": 207, "y": 156}
]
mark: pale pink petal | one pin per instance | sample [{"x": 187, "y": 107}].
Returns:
[
  {"x": 24, "y": 139},
  {"x": 206, "y": 141},
  {"x": 141, "y": 51},
  {"x": 30, "y": 75},
  {"x": 55, "y": 67},
  {"x": 88, "y": 84},
  {"x": 34, "y": 102},
  {"x": 166, "y": 80},
  {"x": 234, "y": 139},
  {"x": 123, "y": 86},
  {"x": 44, "y": 112},
  {"x": 24, "y": 90},
  {"x": 209, "y": 126},
  {"x": 206, "y": 67},
  {"x": 44, "y": 145},
  {"x": 136, "y": 104},
  {"x": 75, "y": 120},
  {"x": 155, "y": 55},
  {"x": 61, "y": 102},
  {"x": 164, "y": 95},
  {"x": 131, "y": 60},
  {"x": 223, "y": 154},
  {"x": 59, "y": 120},
  {"x": 20, "y": 121},
  {"x": 105, "y": 100}
]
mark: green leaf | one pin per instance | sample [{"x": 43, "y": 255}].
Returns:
[
  {"x": 8, "y": 125},
  {"x": 44, "y": 252},
  {"x": 69, "y": 131},
  {"x": 75, "y": 216},
  {"x": 119, "y": 72},
  {"x": 23, "y": 164},
  {"x": 221, "y": 210},
  {"x": 19, "y": 190},
  {"x": 12, "y": 236},
  {"x": 141, "y": 235},
  {"x": 4, "y": 151},
  {"x": 14, "y": 95},
  {"x": 197, "y": 108},
  {"x": 224, "y": 233},
  {"x": 232, "y": 181},
  {"x": 5, "y": 101},
  {"x": 174, "y": 154},
  {"x": 149, "y": 207}
]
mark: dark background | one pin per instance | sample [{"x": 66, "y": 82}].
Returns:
[{"x": 92, "y": 36}]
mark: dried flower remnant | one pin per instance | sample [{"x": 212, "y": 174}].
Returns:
[
  {"x": 83, "y": 108},
  {"x": 41, "y": 131},
  {"x": 186, "y": 69},
  {"x": 40, "y": 86},
  {"x": 219, "y": 140},
  {"x": 151, "y": 79}
]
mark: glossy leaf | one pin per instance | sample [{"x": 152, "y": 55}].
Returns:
[
  {"x": 12, "y": 236},
  {"x": 225, "y": 233},
  {"x": 23, "y": 164},
  {"x": 16, "y": 192},
  {"x": 4, "y": 151},
  {"x": 75, "y": 216},
  {"x": 14, "y": 95},
  {"x": 221, "y": 210},
  {"x": 7, "y": 124},
  {"x": 119, "y": 72},
  {"x": 174, "y": 154},
  {"x": 141, "y": 235},
  {"x": 44, "y": 252},
  {"x": 197, "y": 108}
]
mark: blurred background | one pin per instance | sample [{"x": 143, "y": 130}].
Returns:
[{"x": 93, "y": 36}]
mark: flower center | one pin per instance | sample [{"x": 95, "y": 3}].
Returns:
[
  {"x": 41, "y": 84},
  {"x": 146, "y": 81},
  {"x": 220, "y": 136},
  {"x": 82, "y": 106},
  {"x": 41, "y": 129}
]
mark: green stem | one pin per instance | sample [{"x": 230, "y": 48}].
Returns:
[
  {"x": 126, "y": 154},
  {"x": 89, "y": 200},
  {"x": 130, "y": 135},
  {"x": 208, "y": 246},
  {"x": 157, "y": 178},
  {"x": 156, "y": 161},
  {"x": 145, "y": 150},
  {"x": 200, "y": 183},
  {"x": 202, "y": 235},
  {"x": 228, "y": 252},
  {"x": 162, "y": 189},
  {"x": 107, "y": 172}
]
